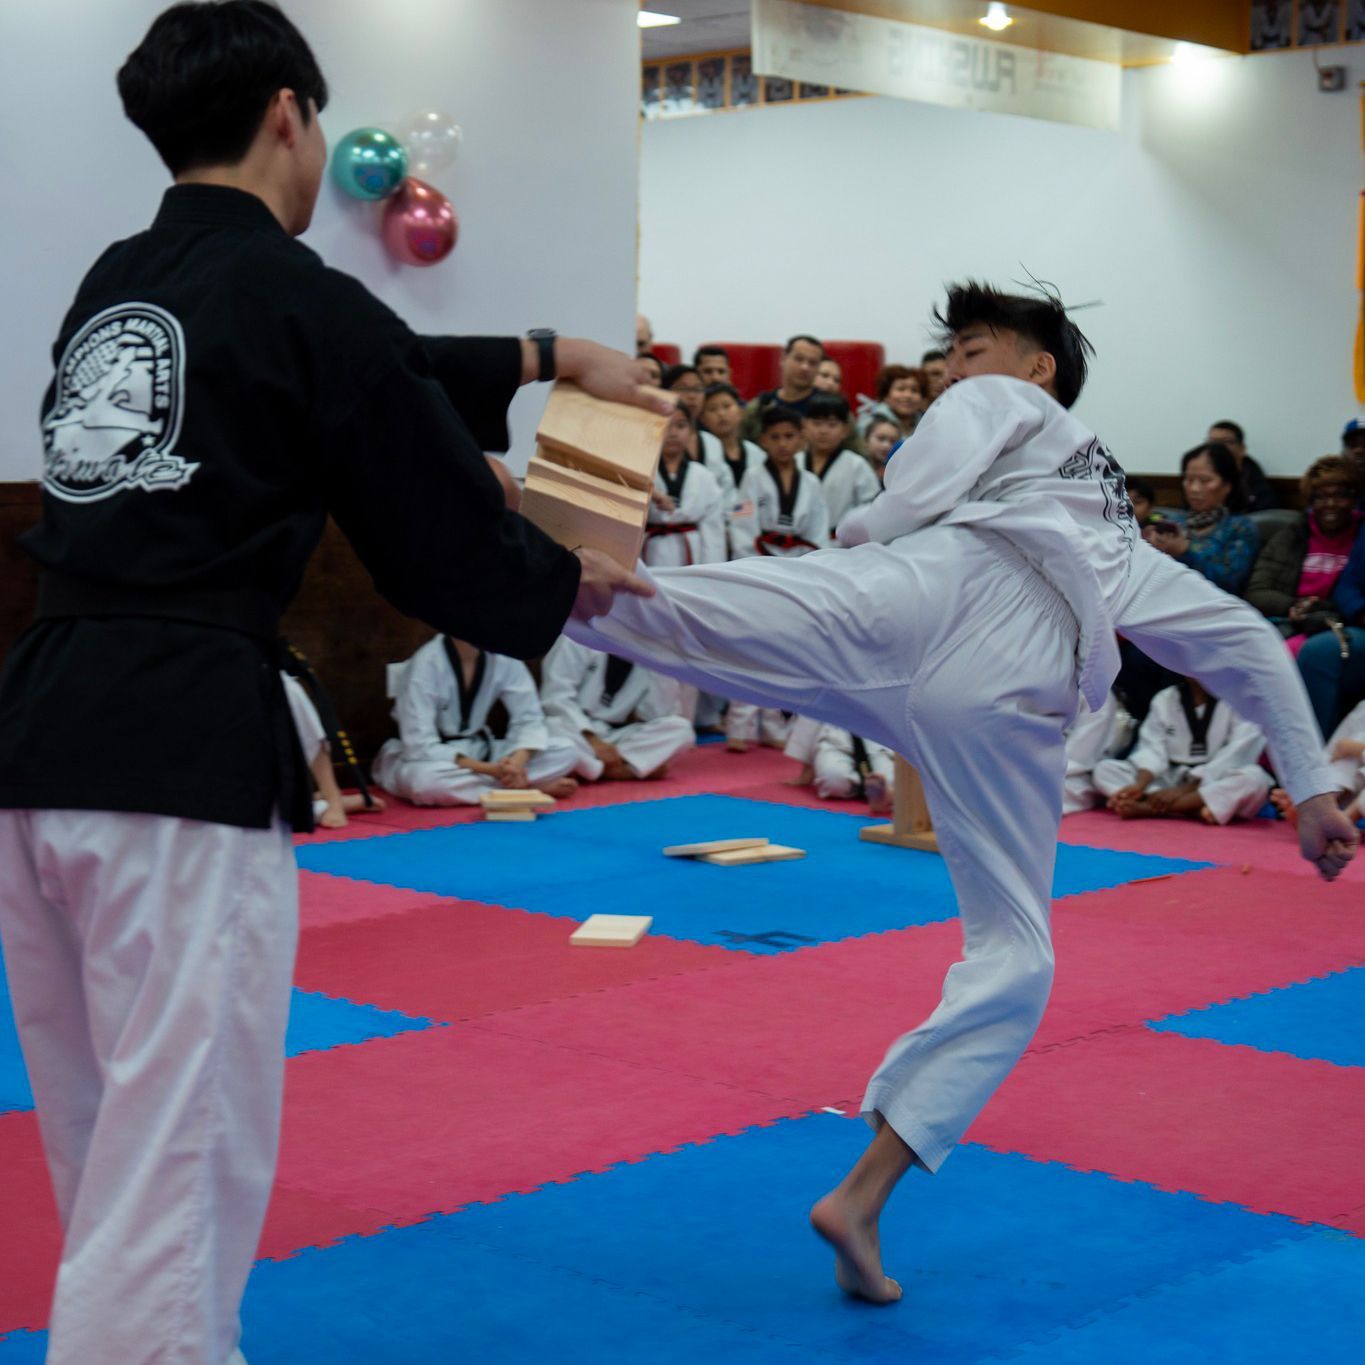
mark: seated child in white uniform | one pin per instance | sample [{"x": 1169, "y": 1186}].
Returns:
[
  {"x": 1195, "y": 757},
  {"x": 330, "y": 808},
  {"x": 846, "y": 478},
  {"x": 1345, "y": 754},
  {"x": 1094, "y": 736},
  {"x": 789, "y": 518},
  {"x": 621, "y": 719},
  {"x": 847, "y": 766},
  {"x": 445, "y": 754}
]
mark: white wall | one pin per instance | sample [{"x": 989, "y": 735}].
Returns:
[
  {"x": 1218, "y": 228},
  {"x": 545, "y": 186}
]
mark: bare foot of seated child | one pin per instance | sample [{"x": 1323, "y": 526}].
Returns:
[
  {"x": 879, "y": 795},
  {"x": 805, "y": 778},
  {"x": 737, "y": 746}
]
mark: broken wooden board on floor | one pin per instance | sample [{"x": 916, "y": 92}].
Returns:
[
  {"x": 744, "y": 857},
  {"x": 611, "y": 931},
  {"x": 711, "y": 846}
]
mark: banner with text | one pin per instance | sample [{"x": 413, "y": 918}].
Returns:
[{"x": 887, "y": 57}]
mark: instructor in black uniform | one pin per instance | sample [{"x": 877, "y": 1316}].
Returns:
[{"x": 218, "y": 392}]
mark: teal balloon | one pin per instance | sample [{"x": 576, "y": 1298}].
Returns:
[{"x": 369, "y": 163}]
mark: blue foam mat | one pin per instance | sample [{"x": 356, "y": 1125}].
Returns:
[
  {"x": 576, "y": 863},
  {"x": 1323, "y": 1018},
  {"x": 316, "y": 1022}
]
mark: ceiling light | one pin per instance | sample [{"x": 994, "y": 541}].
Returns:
[
  {"x": 1189, "y": 54},
  {"x": 997, "y": 17},
  {"x": 648, "y": 19}
]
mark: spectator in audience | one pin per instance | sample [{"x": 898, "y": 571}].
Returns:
[
  {"x": 1353, "y": 447},
  {"x": 644, "y": 335},
  {"x": 1257, "y": 494},
  {"x": 1093, "y": 737},
  {"x": 1345, "y": 756},
  {"x": 829, "y": 376},
  {"x": 847, "y": 766},
  {"x": 800, "y": 362},
  {"x": 901, "y": 396},
  {"x": 881, "y": 438},
  {"x": 846, "y": 478},
  {"x": 934, "y": 366},
  {"x": 712, "y": 365},
  {"x": 722, "y": 411},
  {"x": 1297, "y": 570},
  {"x": 1194, "y": 758},
  {"x": 1143, "y": 497},
  {"x": 1210, "y": 535},
  {"x": 1333, "y": 662},
  {"x": 684, "y": 381},
  {"x": 654, "y": 370},
  {"x": 686, "y": 521}
]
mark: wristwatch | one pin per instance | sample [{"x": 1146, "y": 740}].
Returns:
[{"x": 544, "y": 337}]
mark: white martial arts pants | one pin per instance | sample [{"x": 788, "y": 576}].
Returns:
[
  {"x": 149, "y": 963},
  {"x": 645, "y": 744},
  {"x": 948, "y": 648},
  {"x": 438, "y": 782},
  {"x": 756, "y": 724},
  {"x": 836, "y": 774},
  {"x": 1236, "y": 795}
]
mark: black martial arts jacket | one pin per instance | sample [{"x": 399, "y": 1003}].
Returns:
[{"x": 218, "y": 392}]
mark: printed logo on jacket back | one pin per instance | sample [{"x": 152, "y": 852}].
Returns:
[{"x": 120, "y": 395}]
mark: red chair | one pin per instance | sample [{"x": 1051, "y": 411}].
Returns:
[
  {"x": 667, "y": 354},
  {"x": 860, "y": 361},
  {"x": 754, "y": 368}
]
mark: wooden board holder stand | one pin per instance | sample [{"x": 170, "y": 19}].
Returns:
[
  {"x": 590, "y": 480},
  {"x": 911, "y": 825}
]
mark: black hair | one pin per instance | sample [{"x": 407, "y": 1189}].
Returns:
[
  {"x": 929, "y": 357},
  {"x": 821, "y": 404},
  {"x": 1141, "y": 487},
  {"x": 1040, "y": 318},
  {"x": 651, "y": 359},
  {"x": 775, "y": 414},
  {"x": 199, "y": 82},
  {"x": 675, "y": 372},
  {"x": 1224, "y": 464},
  {"x": 804, "y": 336},
  {"x": 710, "y": 350},
  {"x": 712, "y": 390},
  {"x": 1238, "y": 434}
]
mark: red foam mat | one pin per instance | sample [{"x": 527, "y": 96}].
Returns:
[
  {"x": 1274, "y": 1133},
  {"x": 458, "y": 959},
  {"x": 32, "y": 1240},
  {"x": 326, "y": 900},
  {"x": 427, "y": 1122},
  {"x": 1266, "y": 845}
]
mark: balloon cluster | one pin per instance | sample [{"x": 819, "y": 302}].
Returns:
[{"x": 419, "y": 224}]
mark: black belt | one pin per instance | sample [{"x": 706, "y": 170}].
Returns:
[{"x": 247, "y": 610}]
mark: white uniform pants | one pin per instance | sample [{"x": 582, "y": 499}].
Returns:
[
  {"x": 946, "y": 647},
  {"x": 802, "y": 739},
  {"x": 645, "y": 744},
  {"x": 438, "y": 782},
  {"x": 836, "y": 774},
  {"x": 756, "y": 724},
  {"x": 1236, "y": 795},
  {"x": 150, "y": 961}
]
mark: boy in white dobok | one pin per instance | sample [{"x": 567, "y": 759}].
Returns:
[
  {"x": 845, "y": 766},
  {"x": 976, "y": 607},
  {"x": 445, "y": 754},
  {"x": 686, "y": 514},
  {"x": 846, "y": 478},
  {"x": 1195, "y": 757},
  {"x": 1345, "y": 755},
  {"x": 622, "y": 720},
  {"x": 1095, "y": 735},
  {"x": 730, "y": 457}
]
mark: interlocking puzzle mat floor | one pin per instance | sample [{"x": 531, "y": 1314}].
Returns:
[{"x": 504, "y": 1149}]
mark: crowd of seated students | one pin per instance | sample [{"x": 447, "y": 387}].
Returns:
[{"x": 774, "y": 476}]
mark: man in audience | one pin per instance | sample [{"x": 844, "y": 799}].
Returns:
[
  {"x": 1257, "y": 494},
  {"x": 800, "y": 364},
  {"x": 644, "y": 335},
  {"x": 712, "y": 364},
  {"x": 935, "y": 367},
  {"x": 829, "y": 378}
]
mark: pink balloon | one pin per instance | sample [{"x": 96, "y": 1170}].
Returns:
[{"x": 420, "y": 225}]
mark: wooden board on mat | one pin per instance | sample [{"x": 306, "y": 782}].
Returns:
[
  {"x": 514, "y": 816},
  {"x": 765, "y": 853},
  {"x": 516, "y": 798},
  {"x": 611, "y": 931},
  {"x": 711, "y": 846},
  {"x": 911, "y": 827}
]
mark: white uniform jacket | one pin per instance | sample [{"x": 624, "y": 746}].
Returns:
[
  {"x": 575, "y": 691},
  {"x": 694, "y": 531},
  {"x": 847, "y": 481},
  {"x": 792, "y": 525}
]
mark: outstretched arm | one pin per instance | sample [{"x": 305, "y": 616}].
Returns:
[{"x": 1187, "y": 625}]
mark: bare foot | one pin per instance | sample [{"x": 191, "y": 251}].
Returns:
[
  {"x": 737, "y": 746},
  {"x": 878, "y": 792},
  {"x": 355, "y": 804},
  {"x": 774, "y": 743},
  {"x": 334, "y": 817},
  {"x": 559, "y": 788},
  {"x": 1134, "y": 809},
  {"x": 618, "y": 770},
  {"x": 857, "y": 1250},
  {"x": 1207, "y": 816},
  {"x": 805, "y": 778},
  {"x": 1279, "y": 798}
]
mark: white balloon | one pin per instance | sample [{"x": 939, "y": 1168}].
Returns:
[{"x": 432, "y": 140}]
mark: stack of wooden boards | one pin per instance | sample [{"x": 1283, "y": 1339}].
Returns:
[
  {"x": 735, "y": 852},
  {"x": 590, "y": 480},
  {"x": 512, "y": 803}
]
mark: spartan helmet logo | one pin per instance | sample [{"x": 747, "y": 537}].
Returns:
[{"x": 116, "y": 411}]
